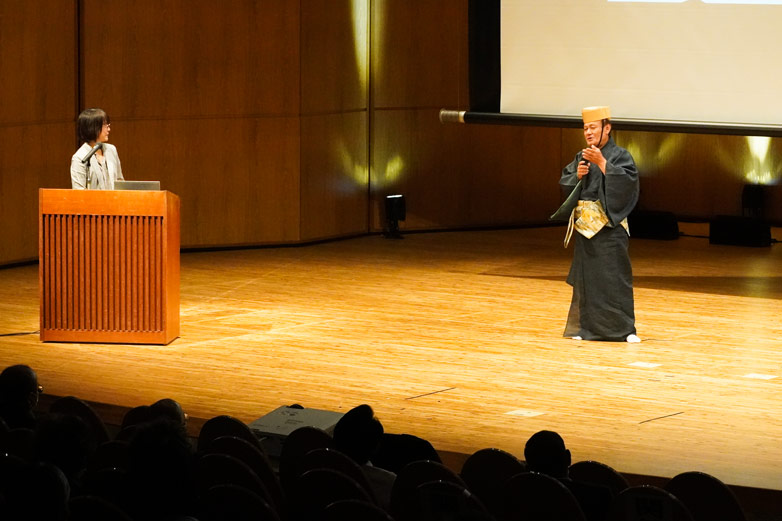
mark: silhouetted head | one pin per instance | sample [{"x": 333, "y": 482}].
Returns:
[
  {"x": 136, "y": 416},
  {"x": 168, "y": 409},
  {"x": 19, "y": 391},
  {"x": 358, "y": 434},
  {"x": 66, "y": 441},
  {"x": 18, "y": 383},
  {"x": 39, "y": 491},
  {"x": 545, "y": 452},
  {"x": 160, "y": 444},
  {"x": 160, "y": 471}
]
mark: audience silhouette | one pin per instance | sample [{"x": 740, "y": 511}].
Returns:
[
  {"x": 545, "y": 453},
  {"x": 65, "y": 441},
  {"x": 60, "y": 466},
  {"x": 161, "y": 470},
  {"x": 19, "y": 391},
  {"x": 170, "y": 410},
  {"x": 358, "y": 435}
]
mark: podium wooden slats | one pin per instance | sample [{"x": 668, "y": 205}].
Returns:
[{"x": 109, "y": 266}]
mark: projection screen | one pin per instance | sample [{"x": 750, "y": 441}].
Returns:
[{"x": 688, "y": 61}]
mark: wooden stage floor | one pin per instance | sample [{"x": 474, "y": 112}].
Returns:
[{"x": 456, "y": 337}]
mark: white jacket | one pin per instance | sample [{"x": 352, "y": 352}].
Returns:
[{"x": 98, "y": 180}]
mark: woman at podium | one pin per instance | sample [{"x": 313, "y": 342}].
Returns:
[{"x": 95, "y": 166}]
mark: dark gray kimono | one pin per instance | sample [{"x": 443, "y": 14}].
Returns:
[{"x": 601, "y": 275}]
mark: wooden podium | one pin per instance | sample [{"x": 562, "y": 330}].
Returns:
[{"x": 108, "y": 266}]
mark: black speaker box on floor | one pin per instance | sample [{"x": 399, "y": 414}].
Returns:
[
  {"x": 653, "y": 225},
  {"x": 739, "y": 231}
]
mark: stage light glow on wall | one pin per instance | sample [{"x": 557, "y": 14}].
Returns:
[
  {"x": 394, "y": 169},
  {"x": 357, "y": 171},
  {"x": 669, "y": 148},
  {"x": 637, "y": 151},
  {"x": 360, "y": 16},
  {"x": 758, "y": 166},
  {"x": 648, "y": 157},
  {"x": 386, "y": 177},
  {"x": 379, "y": 14},
  {"x": 758, "y": 146}
]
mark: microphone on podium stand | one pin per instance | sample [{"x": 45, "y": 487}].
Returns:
[
  {"x": 92, "y": 153},
  {"x": 86, "y": 161}
]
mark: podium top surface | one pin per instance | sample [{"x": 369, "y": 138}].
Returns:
[{"x": 107, "y": 202}]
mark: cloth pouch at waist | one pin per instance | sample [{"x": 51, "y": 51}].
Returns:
[{"x": 588, "y": 218}]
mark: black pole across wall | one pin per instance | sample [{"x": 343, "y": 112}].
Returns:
[{"x": 483, "y": 35}]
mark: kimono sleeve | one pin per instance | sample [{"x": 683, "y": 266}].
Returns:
[{"x": 621, "y": 186}]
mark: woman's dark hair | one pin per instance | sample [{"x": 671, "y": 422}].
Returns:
[{"x": 90, "y": 123}]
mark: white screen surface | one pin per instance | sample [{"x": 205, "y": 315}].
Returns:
[{"x": 693, "y": 61}]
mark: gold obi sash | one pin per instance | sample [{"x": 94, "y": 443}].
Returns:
[{"x": 588, "y": 218}]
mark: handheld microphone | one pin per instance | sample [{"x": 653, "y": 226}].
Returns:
[
  {"x": 581, "y": 159},
  {"x": 97, "y": 147}
]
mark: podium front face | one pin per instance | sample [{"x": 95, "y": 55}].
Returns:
[{"x": 108, "y": 266}]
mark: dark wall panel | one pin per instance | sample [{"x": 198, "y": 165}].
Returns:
[
  {"x": 259, "y": 115},
  {"x": 701, "y": 176},
  {"x": 419, "y": 65},
  {"x": 419, "y": 54},
  {"x": 205, "y": 97},
  {"x": 334, "y": 132},
  {"x": 334, "y": 55},
  {"x": 238, "y": 179},
  {"x": 37, "y": 69},
  {"x": 156, "y": 59},
  {"x": 334, "y": 175},
  {"x": 38, "y": 93},
  {"x": 456, "y": 176}
]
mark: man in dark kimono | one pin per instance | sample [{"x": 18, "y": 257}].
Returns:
[{"x": 603, "y": 185}]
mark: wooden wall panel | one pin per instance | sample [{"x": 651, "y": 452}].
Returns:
[
  {"x": 334, "y": 175},
  {"x": 238, "y": 179},
  {"x": 334, "y": 55},
  {"x": 672, "y": 167},
  {"x": 457, "y": 176},
  {"x": 334, "y": 131},
  {"x": 245, "y": 108},
  {"x": 419, "y": 54},
  {"x": 413, "y": 155},
  {"x": 773, "y": 203},
  {"x": 38, "y": 93},
  {"x": 700, "y": 176},
  {"x": 417, "y": 68},
  {"x": 37, "y": 65},
  {"x": 695, "y": 176},
  {"x": 510, "y": 173},
  {"x": 21, "y": 174},
  {"x": 191, "y": 58},
  {"x": 205, "y": 97}
]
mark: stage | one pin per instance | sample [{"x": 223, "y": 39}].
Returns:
[{"x": 456, "y": 337}]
